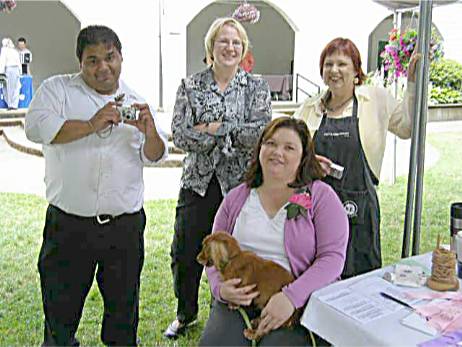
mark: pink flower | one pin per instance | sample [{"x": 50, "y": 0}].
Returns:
[
  {"x": 298, "y": 205},
  {"x": 303, "y": 200},
  {"x": 7, "y": 5}
]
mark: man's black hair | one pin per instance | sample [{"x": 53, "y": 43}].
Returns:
[
  {"x": 22, "y": 39},
  {"x": 94, "y": 35}
]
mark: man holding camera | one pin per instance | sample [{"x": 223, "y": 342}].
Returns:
[{"x": 94, "y": 185}]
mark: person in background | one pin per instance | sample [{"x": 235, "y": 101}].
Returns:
[
  {"x": 25, "y": 56},
  {"x": 219, "y": 114},
  {"x": 248, "y": 62},
  {"x": 10, "y": 66},
  {"x": 350, "y": 122},
  {"x": 94, "y": 185},
  {"x": 312, "y": 246}
]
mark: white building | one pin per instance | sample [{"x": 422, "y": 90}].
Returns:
[{"x": 287, "y": 40}]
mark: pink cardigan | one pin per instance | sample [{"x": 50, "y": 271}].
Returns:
[{"x": 315, "y": 245}]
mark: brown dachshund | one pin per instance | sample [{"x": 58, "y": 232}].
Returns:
[{"x": 222, "y": 250}]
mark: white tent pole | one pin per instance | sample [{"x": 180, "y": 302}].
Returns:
[
  {"x": 412, "y": 170},
  {"x": 425, "y": 28},
  {"x": 418, "y": 134},
  {"x": 161, "y": 76},
  {"x": 396, "y": 25}
]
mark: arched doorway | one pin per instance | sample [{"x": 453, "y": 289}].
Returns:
[
  {"x": 272, "y": 38},
  {"x": 50, "y": 30},
  {"x": 379, "y": 36}
]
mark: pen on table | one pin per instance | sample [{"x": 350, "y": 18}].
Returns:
[{"x": 388, "y": 296}]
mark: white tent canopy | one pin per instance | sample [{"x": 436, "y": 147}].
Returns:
[{"x": 395, "y": 5}]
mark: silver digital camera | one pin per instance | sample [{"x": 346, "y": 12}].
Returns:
[
  {"x": 336, "y": 171},
  {"x": 128, "y": 112}
]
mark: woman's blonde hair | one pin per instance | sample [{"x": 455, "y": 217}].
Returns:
[{"x": 213, "y": 32}]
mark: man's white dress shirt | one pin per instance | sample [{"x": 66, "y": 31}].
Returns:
[{"x": 92, "y": 175}]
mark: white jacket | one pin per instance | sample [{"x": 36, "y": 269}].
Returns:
[
  {"x": 9, "y": 57},
  {"x": 378, "y": 111}
]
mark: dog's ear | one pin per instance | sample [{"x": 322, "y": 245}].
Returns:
[
  {"x": 224, "y": 250},
  {"x": 218, "y": 254},
  {"x": 233, "y": 248},
  {"x": 222, "y": 264},
  {"x": 204, "y": 255}
]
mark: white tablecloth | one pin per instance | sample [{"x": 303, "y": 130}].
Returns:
[{"x": 341, "y": 330}]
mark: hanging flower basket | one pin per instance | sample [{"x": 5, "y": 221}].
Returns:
[
  {"x": 398, "y": 51},
  {"x": 246, "y": 13},
  {"x": 7, "y": 5}
]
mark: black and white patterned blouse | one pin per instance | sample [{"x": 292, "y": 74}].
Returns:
[{"x": 244, "y": 109}]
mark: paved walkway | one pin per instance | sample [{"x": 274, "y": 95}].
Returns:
[
  {"x": 403, "y": 150},
  {"x": 23, "y": 173}
]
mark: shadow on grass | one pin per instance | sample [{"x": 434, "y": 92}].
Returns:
[{"x": 21, "y": 223}]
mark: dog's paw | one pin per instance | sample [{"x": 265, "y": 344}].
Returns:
[{"x": 251, "y": 334}]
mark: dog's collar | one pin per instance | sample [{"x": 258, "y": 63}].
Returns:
[{"x": 222, "y": 265}]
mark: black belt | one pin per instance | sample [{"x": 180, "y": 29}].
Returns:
[
  {"x": 107, "y": 218},
  {"x": 99, "y": 219}
]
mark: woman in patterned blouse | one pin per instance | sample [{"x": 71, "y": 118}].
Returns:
[{"x": 218, "y": 116}]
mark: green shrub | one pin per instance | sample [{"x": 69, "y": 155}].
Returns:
[
  {"x": 446, "y": 73},
  {"x": 439, "y": 95}
]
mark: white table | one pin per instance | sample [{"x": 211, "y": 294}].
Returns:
[{"x": 341, "y": 330}]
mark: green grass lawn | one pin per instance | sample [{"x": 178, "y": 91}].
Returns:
[{"x": 21, "y": 224}]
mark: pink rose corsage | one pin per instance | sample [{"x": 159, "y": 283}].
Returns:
[{"x": 298, "y": 205}]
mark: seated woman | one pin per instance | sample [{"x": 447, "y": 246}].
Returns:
[{"x": 312, "y": 247}]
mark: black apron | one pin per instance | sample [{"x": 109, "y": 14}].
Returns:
[{"x": 338, "y": 139}]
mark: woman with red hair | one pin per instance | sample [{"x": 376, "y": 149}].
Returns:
[{"x": 350, "y": 123}]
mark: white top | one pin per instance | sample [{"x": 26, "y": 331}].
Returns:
[
  {"x": 9, "y": 57},
  {"x": 92, "y": 175},
  {"x": 22, "y": 53},
  {"x": 260, "y": 234}
]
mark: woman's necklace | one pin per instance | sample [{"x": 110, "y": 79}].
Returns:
[{"x": 338, "y": 107}]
